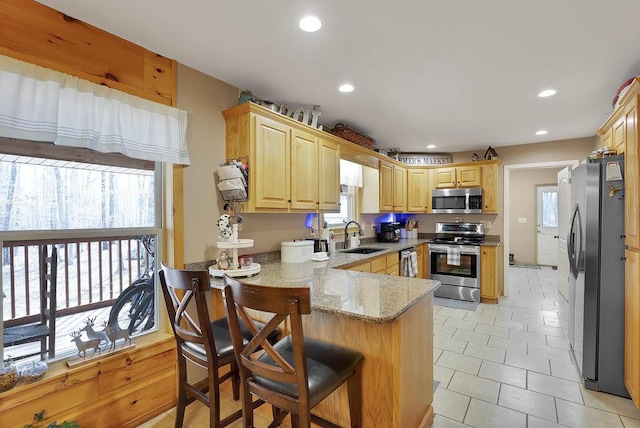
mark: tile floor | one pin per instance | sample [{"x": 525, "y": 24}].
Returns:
[
  {"x": 505, "y": 365},
  {"x": 508, "y": 365}
]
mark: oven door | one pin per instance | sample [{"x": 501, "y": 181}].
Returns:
[{"x": 466, "y": 274}]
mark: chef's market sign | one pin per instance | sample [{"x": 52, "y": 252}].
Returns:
[{"x": 418, "y": 159}]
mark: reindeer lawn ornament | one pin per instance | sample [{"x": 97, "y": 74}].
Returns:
[
  {"x": 116, "y": 333},
  {"x": 92, "y": 334},
  {"x": 83, "y": 346}
]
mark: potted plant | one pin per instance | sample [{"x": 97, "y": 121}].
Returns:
[{"x": 33, "y": 371}]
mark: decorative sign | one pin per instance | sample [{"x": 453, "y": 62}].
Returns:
[
  {"x": 418, "y": 159},
  {"x": 303, "y": 115}
]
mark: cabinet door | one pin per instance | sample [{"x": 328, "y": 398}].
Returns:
[
  {"x": 417, "y": 190},
  {"x": 329, "y": 177},
  {"x": 619, "y": 134},
  {"x": 271, "y": 147},
  {"x": 488, "y": 277},
  {"x": 304, "y": 171},
  {"x": 444, "y": 177},
  {"x": 420, "y": 254},
  {"x": 362, "y": 267},
  {"x": 632, "y": 325},
  {"x": 386, "y": 186},
  {"x": 605, "y": 140},
  {"x": 489, "y": 174},
  {"x": 399, "y": 189},
  {"x": 468, "y": 176},
  {"x": 631, "y": 200}
]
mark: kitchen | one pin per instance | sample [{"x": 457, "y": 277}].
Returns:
[{"x": 206, "y": 135}]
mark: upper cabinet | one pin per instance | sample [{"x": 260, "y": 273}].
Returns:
[
  {"x": 393, "y": 187},
  {"x": 418, "y": 190},
  {"x": 489, "y": 173},
  {"x": 456, "y": 176},
  {"x": 291, "y": 168}
]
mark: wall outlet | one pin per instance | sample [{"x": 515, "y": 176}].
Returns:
[
  {"x": 522, "y": 220},
  {"x": 488, "y": 224},
  {"x": 373, "y": 227}
]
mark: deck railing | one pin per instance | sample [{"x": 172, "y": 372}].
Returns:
[{"x": 91, "y": 274}]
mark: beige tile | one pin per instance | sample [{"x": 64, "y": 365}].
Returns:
[
  {"x": 449, "y": 344},
  {"x": 520, "y": 316},
  {"x": 532, "y": 403},
  {"x": 492, "y": 330},
  {"x": 498, "y": 314},
  {"x": 578, "y": 416},
  {"x": 439, "y": 319},
  {"x": 554, "y": 386},
  {"x": 471, "y": 336},
  {"x": 528, "y": 362},
  {"x": 535, "y": 422},
  {"x": 502, "y": 373},
  {"x": 443, "y": 330},
  {"x": 485, "y": 352},
  {"x": 629, "y": 422},
  {"x": 518, "y": 325},
  {"x": 610, "y": 403},
  {"x": 459, "y": 323},
  {"x": 484, "y": 319},
  {"x": 564, "y": 370},
  {"x": 450, "y": 404},
  {"x": 528, "y": 336},
  {"x": 486, "y": 415},
  {"x": 442, "y": 422},
  {"x": 460, "y": 362},
  {"x": 549, "y": 352},
  {"x": 164, "y": 420},
  {"x": 475, "y": 386},
  {"x": 555, "y": 322},
  {"x": 508, "y": 344},
  {"x": 546, "y": 329},
  {"x": 436, "y": 354},
  {"x": 452, "y": 313},
  {"x": 442, "y": 375},
  {"x": 558, "y": 342}
]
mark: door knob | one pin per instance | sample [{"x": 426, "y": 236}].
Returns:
[{"x": 555, "y": 236}]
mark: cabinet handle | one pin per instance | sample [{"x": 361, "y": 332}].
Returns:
[
  {"x": 318, "y": 203},
  {"x": 623, "y": 236},
  {"x": 289, "y": 201},
  {"x": 623, "y": 258}
]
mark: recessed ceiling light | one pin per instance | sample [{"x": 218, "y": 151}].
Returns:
[
  {"x": 541, "y": 132},
  {"x": 346, "y": 88},
  {"x": 431, "y": 146},
  {"x": 547, "y": 93},
  {"x": 310, "y": 24}
]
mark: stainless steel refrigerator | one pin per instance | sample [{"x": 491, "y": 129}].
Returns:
[{"x": 596, "y": 281}]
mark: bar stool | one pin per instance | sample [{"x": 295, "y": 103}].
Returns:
[
  {"x": 202, "y": 341},
  {"x": 296, "y": 373}
]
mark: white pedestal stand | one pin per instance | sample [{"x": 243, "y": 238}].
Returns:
[{"x": 234, "y": 244}]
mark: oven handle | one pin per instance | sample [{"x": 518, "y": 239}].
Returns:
[{"x": 467, "y": 253}]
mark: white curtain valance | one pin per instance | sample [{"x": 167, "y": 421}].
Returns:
[
  {"x": 45, "y": 105},
  {"x": 350, "y": 173}
]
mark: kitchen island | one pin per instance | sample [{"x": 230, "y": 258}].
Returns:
[{"x": 389, "y": 319}]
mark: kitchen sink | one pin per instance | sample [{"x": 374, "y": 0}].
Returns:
[{"x": 363, "y": 250}]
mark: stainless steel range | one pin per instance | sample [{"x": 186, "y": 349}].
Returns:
[{"x": 454, "y": 260}]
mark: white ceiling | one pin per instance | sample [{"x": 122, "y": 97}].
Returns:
[{"x": 461, "y": 74}]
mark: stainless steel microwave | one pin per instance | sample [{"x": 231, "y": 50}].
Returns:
[{"x": 457, "y": 201}]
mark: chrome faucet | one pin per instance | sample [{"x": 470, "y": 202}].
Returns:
[{"x": 346, "y": 235}]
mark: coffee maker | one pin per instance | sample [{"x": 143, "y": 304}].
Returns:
[
  {"x": 389, "y": 232},
  {"x": 319, "y": 245}
]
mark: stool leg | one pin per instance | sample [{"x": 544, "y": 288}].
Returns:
[
  {"x": 235, "y": 381},
  {"x": 182, "y": 393},
  {"x": 354, "y": 390}
]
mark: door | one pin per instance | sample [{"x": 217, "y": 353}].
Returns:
[
  {"x": 547, "y": 221},
  {"x": 564, "y": 212}
]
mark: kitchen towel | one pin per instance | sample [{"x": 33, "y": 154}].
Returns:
[
  {"x": 409, "y": 264},
  {"x": 453, "y": 256}
]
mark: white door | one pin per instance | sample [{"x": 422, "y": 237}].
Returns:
[
  {"x": 564, "y": 212},
  {"x": 547, "y": 221}
]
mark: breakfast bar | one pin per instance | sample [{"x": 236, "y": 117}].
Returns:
[{"x": 388, "y": 319}]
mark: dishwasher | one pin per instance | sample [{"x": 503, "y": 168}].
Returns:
[{"x": 409, "y": 263}]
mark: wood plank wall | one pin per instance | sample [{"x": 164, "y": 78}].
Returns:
[{"x": 35, "y": 33}]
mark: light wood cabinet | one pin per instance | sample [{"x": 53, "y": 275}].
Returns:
[
  {"x": 388, "y": 264},
  {"x": 489, "y": 173},
  {"x": 292, "y": 167},
  {"x": 631, "y": 197},
  {"x": 632, "y": 324},
  {"x": 418, "y": 190},
  {"x": 393, "y": 187},
  {"x": 421, "y": 254},
  {"x": 619, "y": 134},
  {"x": 488, "y": 274},
  {"x": 457, "y": 176},
  {"x": 606, "y": 139}
]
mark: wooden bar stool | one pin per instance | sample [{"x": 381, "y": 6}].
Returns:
[
  {"x": 296, "y": 373},
  {"x": 202, "y": 341}
]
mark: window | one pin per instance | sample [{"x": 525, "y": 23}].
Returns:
[
  {"x": 347, "y": 208},
  {"x": 100, "y": 213}
]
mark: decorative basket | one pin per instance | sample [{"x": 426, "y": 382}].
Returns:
[{"x": 343, "y": 131}]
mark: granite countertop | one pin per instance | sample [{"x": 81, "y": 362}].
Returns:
[{"x": 369, "y": 297}]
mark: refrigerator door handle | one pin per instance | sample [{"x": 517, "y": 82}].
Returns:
[{"x": 571, "y": 250}]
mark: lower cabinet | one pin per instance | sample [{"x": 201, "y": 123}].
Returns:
[
  {"x": 632, "y": 325},
  {"x": 121, "y": 390},
  {"x": 388, "y": 264},
  {"x": 421, "y": 253},
  {"x": 488, "y": 274}
]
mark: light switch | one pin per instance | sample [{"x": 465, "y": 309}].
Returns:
[{"x": 522, "y": 220}]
